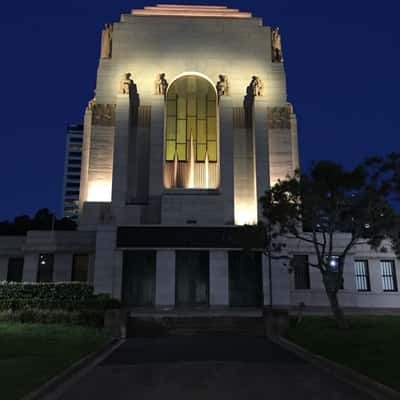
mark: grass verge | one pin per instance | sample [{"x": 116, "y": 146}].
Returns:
[
  {"x": 31, "y": 354},
  {"x": 369, "y": 346}
]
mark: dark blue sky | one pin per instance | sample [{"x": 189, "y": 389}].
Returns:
[{"x": 342, "y": 63}]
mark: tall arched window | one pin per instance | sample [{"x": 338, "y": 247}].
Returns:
[{"x": 191, "y": 134}]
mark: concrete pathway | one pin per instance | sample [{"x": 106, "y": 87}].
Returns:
[{"x": 183, "y": 368}]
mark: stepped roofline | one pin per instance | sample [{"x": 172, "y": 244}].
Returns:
[{"x": 175, "y": 10}]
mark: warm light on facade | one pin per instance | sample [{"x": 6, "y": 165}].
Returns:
[
  {"x": 99, "y": 191},
  {"x": 245, "y": 214}
]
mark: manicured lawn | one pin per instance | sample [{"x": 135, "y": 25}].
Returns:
[
  {"x": 370, "y": 345},
  {"x": 30, "y": 354}
]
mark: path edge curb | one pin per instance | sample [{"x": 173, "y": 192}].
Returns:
[
  {"x": 362, "y": 382},
  {"x": 73, "y": 370}
]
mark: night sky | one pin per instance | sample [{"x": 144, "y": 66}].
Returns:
[{"x": 342, "y": 62}]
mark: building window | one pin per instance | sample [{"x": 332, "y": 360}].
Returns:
[
  {"x": 333, "y": 265},
  {"x": 45, "y": 270},
  {"x": 301, "y": 272},
  {"x": 191, "y": 126},
  {"x": 75, "y": 140},
  {"x": 73, "y": 161},
  {"x": 15, "y": 269},
  {"x": 80, "y": 266},
  {"x": 362, "y": 275},
  {"x": 76, "y": 177},
  {"x": 74, "y": 169},
  {"x": 72, "y": 185},
  {"x": 389, "y": 279}
]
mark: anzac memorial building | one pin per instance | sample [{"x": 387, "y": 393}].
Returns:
[{"x": 189, "y": 125}]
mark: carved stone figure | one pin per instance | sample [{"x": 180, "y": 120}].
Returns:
[
  {"x": 106, "y": 41},
  {"x": 279, "y": 117},
  {"x": 126, "y": 84},
  {"x": 276, "y": 45},
  {"x": 222, "y": 86},
  {"x": 257, "y": 86},
  {"x": 91, "y": 104},
  {"x": 161, "y": 85},
  {"x": 103, "y": 114}
]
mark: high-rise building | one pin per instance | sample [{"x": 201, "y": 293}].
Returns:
[{"x": 72, "y": 171}]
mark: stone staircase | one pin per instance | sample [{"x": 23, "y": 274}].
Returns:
[{"x": 190, "y": 326}]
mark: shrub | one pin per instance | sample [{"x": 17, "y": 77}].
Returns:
[
  {"x": 68, "y": 296},
  {"x": 92, "y": 318}
]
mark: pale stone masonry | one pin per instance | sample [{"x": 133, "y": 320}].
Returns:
[{"x": 189, "y": 126}]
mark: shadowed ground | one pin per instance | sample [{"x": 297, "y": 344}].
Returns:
[{"x": 207, "y": 368}]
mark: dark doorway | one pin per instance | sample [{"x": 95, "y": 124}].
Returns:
[
  {"x": 245, "y": 279},
  {"x": 192, "y": 278},
  {"x": 139, "y": 277},
  {"x": 15, "y": 269}
]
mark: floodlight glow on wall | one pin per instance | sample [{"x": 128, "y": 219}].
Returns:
[
  {"x": 245, "y": 213},
  {"x": 99, "y": 191}
]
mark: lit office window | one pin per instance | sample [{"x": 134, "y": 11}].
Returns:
[
  {"x": 361, "y": 271},
  {"x": 388, "y": 273}
]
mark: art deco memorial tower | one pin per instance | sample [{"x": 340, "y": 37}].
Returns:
[{"x": 190, "y": 122}]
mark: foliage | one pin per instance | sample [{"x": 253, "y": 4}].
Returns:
[
  {"x": 43, "y": 220},
  {"x": 91, "y": 318},
  {"x": 69, "y": 296},
  {"x": 369, "y": 346},
  {"x": 31, "y": 354},
  {"x": 314, "y": 207}
]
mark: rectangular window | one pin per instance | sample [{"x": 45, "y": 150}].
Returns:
[
  {"x": 74, "y": 169},
  {"x": 80, "y": 266},
  {"x": 73, "y": 161},
  {"x": 389, "y": 279},
  {"x": 361, "y": 271},
  {"x": 301, "y": 272},
  {"x": 15, "y": 269},
  {"x": 45, "y": 268},
  {"x": 75, "y": 140}
]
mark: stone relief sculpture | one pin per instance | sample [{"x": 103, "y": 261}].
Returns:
[
  {"x": 222, "y": 86},
  {"x": 276, "y": 45},
  {"x": 126, "y": 84},
  {"x": 106, "y": 41},
  {"x": 103, "y": 114},
  {"x": 257, "y": 86},
  {"x": 161, "y": 85},
  {"x": 279, "y": 117},
  {"x": 91, "y": 104}
]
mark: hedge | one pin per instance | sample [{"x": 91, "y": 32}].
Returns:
[
  {"x": 69, "y": 296},
  {"x": 92, "y": 318}
]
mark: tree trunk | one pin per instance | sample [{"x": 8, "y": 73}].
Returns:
[
  {"x": 331, "y": 288},
  {"x": 337, "y": 310}
]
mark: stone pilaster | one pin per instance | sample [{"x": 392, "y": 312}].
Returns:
[
  {"x": 219, "y": 278},
  {"x": 165, "y": 278}
]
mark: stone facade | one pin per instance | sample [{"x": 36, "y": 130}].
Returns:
[{"x": 127, "y": 178}]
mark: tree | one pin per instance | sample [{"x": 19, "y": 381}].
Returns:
[
  {"x": 43, "y": 221},
  {"x": 323, "y": 203}
]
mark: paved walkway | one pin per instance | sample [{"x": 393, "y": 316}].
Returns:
[{"x": 191, "y": 368}]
